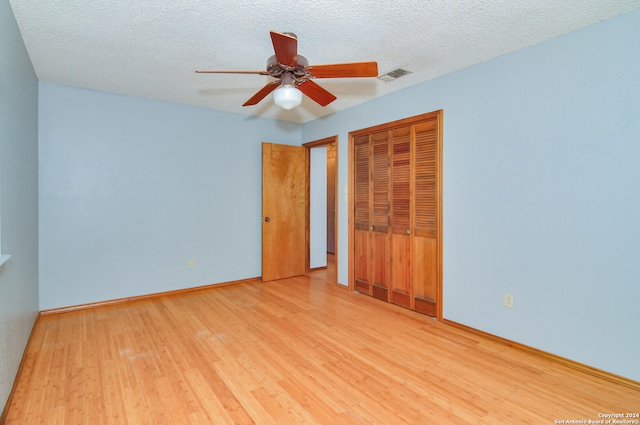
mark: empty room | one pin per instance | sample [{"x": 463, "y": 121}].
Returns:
[{"x": 319, "y": 212}]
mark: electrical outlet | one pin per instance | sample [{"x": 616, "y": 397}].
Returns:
[
  {"x": 192, "y": 263},
  {"x": 508, "y": 300}
]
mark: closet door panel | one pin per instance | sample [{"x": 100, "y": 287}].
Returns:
[
  {"x": 362, "y": 254},
  {"x": 425, "y": 224},
  {"x": 400, "y": 217},
  {"x": 380, "y": 214}
]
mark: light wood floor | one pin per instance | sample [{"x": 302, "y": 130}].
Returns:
[
  {"x": 289, "y": 352},
  {"x": 328, "y": 273}
]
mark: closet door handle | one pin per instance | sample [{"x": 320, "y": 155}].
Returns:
[
  {"x": 408, "y": 231},
  {"x": 370, "y": 227},
  {"x": 267, "y": 219}
]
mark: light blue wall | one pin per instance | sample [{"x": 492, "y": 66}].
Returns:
[
  {"x": 131, "y": 189},
  {"x": 541, "y": 191},
  {"x": 18, "y": 198}
]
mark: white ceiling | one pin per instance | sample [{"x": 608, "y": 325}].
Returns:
[{"x": 150, "y": 48}]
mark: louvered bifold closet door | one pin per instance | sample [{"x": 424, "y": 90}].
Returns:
[
  {"x": 396, "y": 184},
  {"x": 379, "y": 229},
  {"x": 362, "y": 256},
  {"x": 400, "y": 234},
  {"x": 425, "y": 188}
]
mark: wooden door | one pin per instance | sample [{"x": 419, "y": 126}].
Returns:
[
  {"x": 362, "y": 256},
  {"x": 379, "y": 221},
  {"x": 425, "y": 223},
  {"x": 400, "y": 217},
  {"x": 283, "y": 211},
  {"x": 372, "y": 215},
  {"x": 395, "y": 224}
]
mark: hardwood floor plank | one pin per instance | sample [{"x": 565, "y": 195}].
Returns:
[
  {"x": 247, "y": 400},
  {"x": 297, "y": 351},
  {"x": 215, "y": 410}
]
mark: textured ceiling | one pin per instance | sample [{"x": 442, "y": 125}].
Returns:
[{"x": 150, "y": 48}]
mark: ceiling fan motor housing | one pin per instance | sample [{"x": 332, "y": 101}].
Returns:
[{"x": 299, "y": 73}]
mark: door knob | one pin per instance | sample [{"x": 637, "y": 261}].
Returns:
[
  {"x": 408, "y": 231},
  {"x": 267, "y": 219},
  {"x": 370, "y": 227}
]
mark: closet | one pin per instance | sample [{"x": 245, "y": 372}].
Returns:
[{"x": 395, "y": 212}]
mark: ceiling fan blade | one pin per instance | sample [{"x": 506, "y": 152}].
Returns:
[
  {"x": 286, "y": 48},
  {"x": 262, "y": 93},
  {"x": 317, "y": 93},
  {"x": 345, "y": 70},
  {"x": 212, "y": 71}
]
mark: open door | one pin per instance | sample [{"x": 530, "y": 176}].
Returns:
[{"x": 284, "y": 188}]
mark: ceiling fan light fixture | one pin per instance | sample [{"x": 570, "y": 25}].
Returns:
[{"x": 287, "y": 97}]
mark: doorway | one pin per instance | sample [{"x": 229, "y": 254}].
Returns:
[{"x": 322, "y": 208}]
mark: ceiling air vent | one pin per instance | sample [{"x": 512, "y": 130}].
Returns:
[{"x": 394, "y": 75}]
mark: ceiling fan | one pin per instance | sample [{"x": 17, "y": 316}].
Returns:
[{"x": 294, "y": 76}]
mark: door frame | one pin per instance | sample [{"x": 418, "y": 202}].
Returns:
[
  {"x": 437, "y": 115},
  {"x": 309, "y": 145}
]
